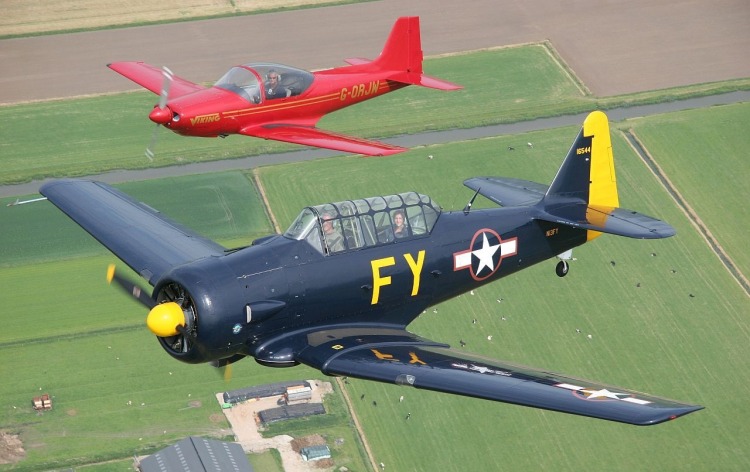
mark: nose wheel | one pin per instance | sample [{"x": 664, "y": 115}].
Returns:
[{"x": 562, "y": 268}]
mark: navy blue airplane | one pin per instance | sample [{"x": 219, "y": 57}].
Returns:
[{"x": 338, "y": 289}]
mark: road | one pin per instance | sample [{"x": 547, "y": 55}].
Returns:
[{"x": 409, "y": 141}]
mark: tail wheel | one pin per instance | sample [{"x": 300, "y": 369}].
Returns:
[{"x": 562, "y": 268}]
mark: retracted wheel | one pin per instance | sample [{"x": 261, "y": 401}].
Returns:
[{"x": 562, "y": 268}]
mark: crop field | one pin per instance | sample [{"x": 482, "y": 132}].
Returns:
[
  {"x": 704, "y": 152},
  {"x": 93, "y": 135},
  {"x": 665, "y": 316},
  {"x": 66, "y": 332}
]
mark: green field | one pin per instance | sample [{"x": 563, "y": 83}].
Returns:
[
  {"x": 117, "y": 394},
  {"x": 704, "y": 152},
  {"x": 655, "y": 337},
  {"x": 98, "y": 134}
]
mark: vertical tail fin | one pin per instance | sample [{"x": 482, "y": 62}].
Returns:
[
  {"x": 584, "y": 195},
  {"x": 402, "y": 55},
  {"x": 588, "y": 172},
  {"x": 403, "y": 48}
]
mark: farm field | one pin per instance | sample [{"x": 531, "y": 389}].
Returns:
[
  {"x": 704, "y": 152},
  {"x": 22, "y": 18},
  {"x": 99, "y": 134},
  {"x": 96, "y": 356},
  {"x": 665, "y": 318}
]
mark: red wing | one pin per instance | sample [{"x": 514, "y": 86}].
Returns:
[
  {"x": 311, "y": 136},
  {"x": 151, "y": 78}
]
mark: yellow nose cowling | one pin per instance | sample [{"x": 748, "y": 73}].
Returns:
[{"x": 164, "y": 318}]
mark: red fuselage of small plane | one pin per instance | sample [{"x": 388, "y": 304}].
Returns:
[{"x": 220, "y": 112}]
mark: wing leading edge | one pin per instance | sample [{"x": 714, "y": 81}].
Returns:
[
  {"x": 147, "y": 241},
  {"x": 398, "y": 357}
]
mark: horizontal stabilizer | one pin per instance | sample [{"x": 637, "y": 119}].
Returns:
[
  {"x": 151, "y": 78},
  {"x": 311, "y": 136},
  {"x": 507, "y": 191},
  {"x": 423, "y": 80},
  {"x": 619, "y": 221},
  {"x": 357, "y": 61},
  {"x": 399, "y": 357},
  {"x": 147, "y": 241}
]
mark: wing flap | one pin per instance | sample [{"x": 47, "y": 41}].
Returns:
[
  {"x": 311, "y": 136},
  {"x": 140, "y": 236},
  {"x": 402, "y": 358},
  {"x": 506, "y": 191},
  {"x": 151, "y": 78}
]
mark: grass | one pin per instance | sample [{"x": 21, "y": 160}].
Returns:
[
  {"x": 655, "y": 338},
  {"x": 98, "y": 134},
  {"x": 222, "y": 206},
  {"x": 66, "y": 332},
  {"x": 704, "y": 153}
]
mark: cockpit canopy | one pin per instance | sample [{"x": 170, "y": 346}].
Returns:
[
  {"x": 249, "y": 79},
  {"x": 356, "y": 224}
]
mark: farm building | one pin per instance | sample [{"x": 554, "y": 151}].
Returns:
[
  {"x": 195, "y": 454},
  {"x": 290, "y": 411},
  {"x": 297, "y": 394},
  {"x": 43, "y": 402},
  {"x": 314, "y": 453},
  {"x": 262, "y": 391}
]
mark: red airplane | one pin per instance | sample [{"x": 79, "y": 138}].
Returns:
[{"x": 274, "y": 101}]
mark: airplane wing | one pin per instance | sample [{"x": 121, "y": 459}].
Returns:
[
  {"x": 151, "y": 78},
  {"x": 399, "y": 357},
  {"x": 147, "y": 241},
  {"x": 311, "y": 136}
]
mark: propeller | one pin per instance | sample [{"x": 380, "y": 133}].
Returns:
[
  {"x": 164, "y": 319},
  {"x": 161, "y": 114},
  {"x": 225, "y": 365}
]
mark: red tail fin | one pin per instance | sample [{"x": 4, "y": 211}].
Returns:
[
  {"x": 402, "y": 55},
  {"x": 403, "y": 48}
]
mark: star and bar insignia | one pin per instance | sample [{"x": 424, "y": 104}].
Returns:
[{"x": 485, "y": 253}]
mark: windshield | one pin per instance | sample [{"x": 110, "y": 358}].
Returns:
[
  {"x": 356, "y": 224},
  {"x": 242, "y": 82}
]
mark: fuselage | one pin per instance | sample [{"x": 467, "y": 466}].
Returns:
[
  {"x": 244, "y": 97},
  {"x": 387, "y": 284}
]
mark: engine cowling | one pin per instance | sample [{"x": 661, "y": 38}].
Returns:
[{"x": 214, "y": 312}]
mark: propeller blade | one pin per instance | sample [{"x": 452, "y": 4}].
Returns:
[
  {"x": 165, "y": 86},
  {"x": 162, "y": 115},
  {"x": 225, "y": 365},
  {"x": 130, "y": 287},
  {"x": 226, "y": 372},
  {"x": 152, "y": 144}
]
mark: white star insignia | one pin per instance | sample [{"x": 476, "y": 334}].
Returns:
[
  {"x": 603, "y": 393},
  {"x": 485, "y": 254}
]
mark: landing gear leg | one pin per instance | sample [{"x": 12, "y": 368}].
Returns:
[{"x": 562, "y": 268}]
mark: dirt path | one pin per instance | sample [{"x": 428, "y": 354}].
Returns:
[{"x": 244, "y": 420}]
